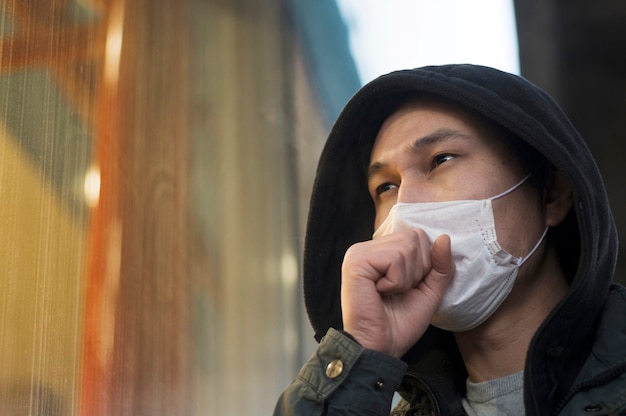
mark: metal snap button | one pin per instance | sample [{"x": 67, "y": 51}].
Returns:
[
  {"x": 593, "y": 408},
  {"x": 334, "y": 369}
]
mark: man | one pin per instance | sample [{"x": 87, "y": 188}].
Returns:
[{"x": 486, "y": 288}]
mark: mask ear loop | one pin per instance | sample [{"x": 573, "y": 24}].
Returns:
[
  {"x": 545, "y": 231},
  {"x": 522, "y": 261},
  {"x": 514, "y": 187}
]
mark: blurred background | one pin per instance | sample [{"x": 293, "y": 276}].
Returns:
[{"x": 156, "y": 158}]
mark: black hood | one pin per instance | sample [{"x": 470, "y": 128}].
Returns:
[{"x": 342, "y": 213}]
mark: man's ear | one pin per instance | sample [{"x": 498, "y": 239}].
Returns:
[{"x": 558, "y": 198}]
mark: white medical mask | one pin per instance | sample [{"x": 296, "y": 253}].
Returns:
[{"x": 485, "y": 272}]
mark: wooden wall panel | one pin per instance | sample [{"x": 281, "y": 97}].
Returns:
[{"x": 139, "y": 273}]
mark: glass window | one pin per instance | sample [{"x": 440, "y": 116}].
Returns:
[{"x": 155, "y": 162}]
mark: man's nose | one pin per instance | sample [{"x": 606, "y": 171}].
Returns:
[{"x": 411, "y": 191}]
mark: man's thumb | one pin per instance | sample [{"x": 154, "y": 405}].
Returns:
[{"x": 441, "y": 258}]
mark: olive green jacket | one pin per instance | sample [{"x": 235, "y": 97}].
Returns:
[{"x": 342, "y": 378}]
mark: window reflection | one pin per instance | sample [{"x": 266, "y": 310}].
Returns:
[
  {"x": 149, "y": 205},
  {"x": 46, "y": 139}
]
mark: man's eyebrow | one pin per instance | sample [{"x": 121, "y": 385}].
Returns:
[
  {"x": 374, "y": 168},
  {"x": 435, "y": 137}
]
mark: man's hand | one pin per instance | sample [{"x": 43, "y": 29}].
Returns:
[{"x": 392, "y": 286}]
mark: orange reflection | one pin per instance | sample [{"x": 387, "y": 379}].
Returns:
[{"x": 106, "y": 233}]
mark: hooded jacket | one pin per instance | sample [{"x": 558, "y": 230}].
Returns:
[{"x": 560, "y": 365}]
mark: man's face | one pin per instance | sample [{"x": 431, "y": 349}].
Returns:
[{"x": 431, "y": 152}]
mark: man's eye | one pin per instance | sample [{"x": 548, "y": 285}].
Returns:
[
  {"x": 384, "y": 188},
  {"x": 441, "y": 158}
]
